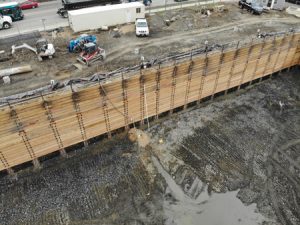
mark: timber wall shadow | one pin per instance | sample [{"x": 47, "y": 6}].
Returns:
[{"x": 42, "y": 125}]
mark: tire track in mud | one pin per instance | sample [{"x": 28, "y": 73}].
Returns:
[
  {"x": 191, "y": 35},
  {"x": 96, "y": 185},
  {"x": 274, "y": 165},
  {"x": 210, "y": 146},
  {"x": 282, "y": 186}
]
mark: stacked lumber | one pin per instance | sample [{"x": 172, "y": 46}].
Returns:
[{"x": 42, "y": 125}]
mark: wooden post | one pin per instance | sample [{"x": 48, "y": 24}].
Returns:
[
  {"x": 48, "y": 112},
  {"x": 277, "y": 56},
  {"x": 298, "y": 49},
  {"x": 289, "y": 48},
  {"x": 204, "y": 73},
  {"x": 103, "y": 95},
  {"x": 10, "y": 171},
  {"x": 23, "y": 135},
  {"x": 269, "y": 57},
  {"x": 142, "y": 98},
  {"x": 125, "y": 102},
  {"x": 6, "y": 164},
  {"x": 218, "y": 73},
  {"x": 188, "y": 83},
  {"x": 157, "y": 93},
  {"x": 257, "y": 60},
  {"x": 232, "y": 67},
  {"x": 63, "y": 152},
  {"x": 36, "y": 163},
  {"x": 76, "y": 106},
  {"x": 246, "y": 65},
  {"x": 174, "y": 75}
]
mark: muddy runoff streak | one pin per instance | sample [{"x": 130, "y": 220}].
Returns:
[{"x": 218, "y": 208}]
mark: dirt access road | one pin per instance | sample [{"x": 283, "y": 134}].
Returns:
[
  {"x": 232, "y": 161},
  {"x": 189, "y": 30}
]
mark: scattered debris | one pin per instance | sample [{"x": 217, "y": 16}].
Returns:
[
  {"x": 293, "y": 11},
  {"x": 4, "y": 56},
  {"x": 6, "y": 80},
  {"x": 136, "y": 51},
  {"x": 78, "y": 66},
  {"x": 116, "y": 33},
  {"x": 173, "y": 19},
  {"x": 15, "y": 70},
  {"x": 104, "y": 28},
  {"x": 136, "y": 135}
]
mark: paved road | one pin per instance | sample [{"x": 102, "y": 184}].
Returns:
[
  {"x": 33, "y": 19},
  {"x": 45, "y": 17}
]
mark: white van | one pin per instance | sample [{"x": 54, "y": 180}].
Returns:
[{"x": 5, "y": 22}]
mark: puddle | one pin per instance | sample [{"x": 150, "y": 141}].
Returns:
[{"x": 215, "y": 209}]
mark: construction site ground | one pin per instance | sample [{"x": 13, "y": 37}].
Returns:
[
  {"x": 231, "y": 161},
  {"x": 234, "y": 160},
  {"x": 190, "y": 29}
]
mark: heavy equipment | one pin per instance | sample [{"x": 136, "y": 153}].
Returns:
[
  {"x": 79, "y": 4},
  {"x": 141, "y": 27},
  {"x": 252, "y": 6},
  {"x": 43, "y": 49},
  {"x": 91, "y": 53},
  {"x": 76, "y": 45}
]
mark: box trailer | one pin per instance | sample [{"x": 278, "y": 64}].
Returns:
[
  {"x": 110, "y": 15},
  {"x": 80, "y": 4}
]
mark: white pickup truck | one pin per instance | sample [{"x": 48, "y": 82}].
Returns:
[
  {"x": 5, "y": 22},
  {"x": 141, "y": 27}
]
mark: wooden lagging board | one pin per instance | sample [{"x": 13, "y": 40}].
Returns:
[{"x": 39, "y": 126}]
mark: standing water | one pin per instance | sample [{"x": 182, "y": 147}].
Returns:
[{"x": 215, "y": 209}]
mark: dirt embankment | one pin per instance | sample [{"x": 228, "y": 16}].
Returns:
[
  {"x": 245, "y": 145},
  {"x": 190, "y": 29}
]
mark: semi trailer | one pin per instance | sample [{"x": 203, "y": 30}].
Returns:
[
  {"x": 110, "y": 15},
  {"x": 79, "y": 4}
]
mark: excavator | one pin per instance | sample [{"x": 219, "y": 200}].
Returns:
[{"x": 43, "y": 49}]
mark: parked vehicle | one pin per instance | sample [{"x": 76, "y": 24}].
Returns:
[
  {"x": 77, "y": 45},
  {"x": 251, "y": 6},
  {"x": 79, "y": 4},
  {"x": 110, "y": 15},
  {"x": 91, "y": 53},
  {"x": 11, "y": 9},
  {"x": 141, "y": 27},
  {"x": 5, "y": 22},
  {"x": 29, "y": 5},
  {"x": 297, "y": 2},
  {"x": 147, "y": 2}
]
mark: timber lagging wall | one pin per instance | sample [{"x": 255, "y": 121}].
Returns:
[{"x": 42, "y": 125}]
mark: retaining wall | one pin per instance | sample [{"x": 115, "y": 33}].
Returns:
[{"x": 45, "y": 124}]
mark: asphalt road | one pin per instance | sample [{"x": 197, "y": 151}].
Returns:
[
  {"x": 45, "y": 17},
  {"x": 35, "y": 19}
]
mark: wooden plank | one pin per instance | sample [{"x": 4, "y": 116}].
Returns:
[{"x": 39, "y": 126}]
